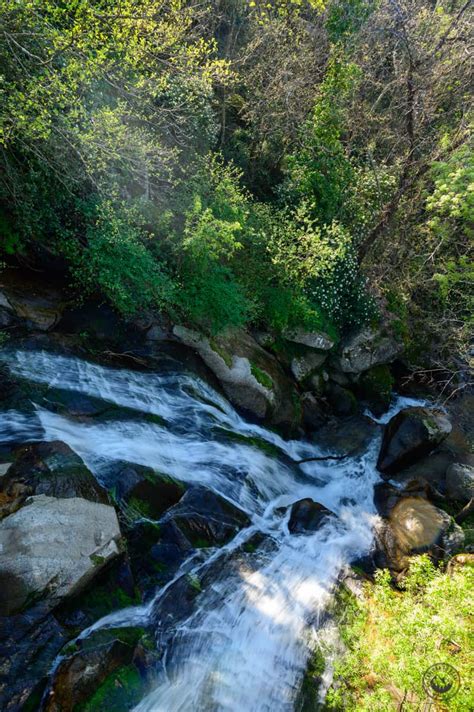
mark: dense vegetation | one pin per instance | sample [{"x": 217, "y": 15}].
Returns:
[
  {"x": 245, "y": 163},
  {"x": 392, "y": 637}
]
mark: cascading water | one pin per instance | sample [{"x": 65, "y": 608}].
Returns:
[{"x": 245, "y": 645}]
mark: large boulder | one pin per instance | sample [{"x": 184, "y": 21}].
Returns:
[
  {"x": 416, "y": 526},
  {"x": 366, "y": 349},
  {"x": 205, "y": 518},
  {"x": 251, "y": 377},
  {"x": 53, "y": 547},
  {"x": 460, "y": 482},
  {"x": 314, "y": 339},
  {"x": 409, "y": 436},
  {"x": 307, "y": 516},
  {"x": 30, "y": 301},
  {"x": 51, "y": 469}
]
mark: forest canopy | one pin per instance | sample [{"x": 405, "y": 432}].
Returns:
[{"x": 236, "y": 163}]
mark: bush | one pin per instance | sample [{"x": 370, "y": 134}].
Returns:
[{"x": 393, "y": 637}]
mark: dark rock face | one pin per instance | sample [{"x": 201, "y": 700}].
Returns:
[
  {"x": 460, "y": 482},
  {"x": 313, "y": 414},
  {"x": 375, "y": 388},
  {"x": 206, "y": 519},
  {"x": 148, "y": 492},
  {"x": 341, "y": 400},
  {"x": 30, "y": 640},
  {"x": 307, "y": 516},
  {"x": 350, "y": 436},
  {"x": 105, "y": 660},
  {"x": 51, "y": 469},
  {"x": 409, "y": 436}
]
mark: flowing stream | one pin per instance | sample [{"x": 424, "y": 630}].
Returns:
[{"x": 245, "y": 645}]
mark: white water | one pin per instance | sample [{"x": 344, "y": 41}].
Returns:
[{"x": 245, "y": 647}]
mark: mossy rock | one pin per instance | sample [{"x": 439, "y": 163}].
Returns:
[
  {"x": 375, "y": 387},
  {"x": 308, "y": 697},
  {"x": 111, "y": 590}
]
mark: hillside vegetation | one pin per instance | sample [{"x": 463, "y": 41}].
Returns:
[{"x": 236, "y": 163}]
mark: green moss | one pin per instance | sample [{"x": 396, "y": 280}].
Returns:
[
  {"x": 97, "y": 560},
  {"x": 155, "y": 419},
  {"x": 194, "y": 582},
  {"x": 120, "y": 692},
  {"x": 130, "y": 636},
  {"x": 252, "y": 441},
  {"x": 261, "y": 376},
  {"x": 308, "y": 697},
  {"x": 201, "y": 543},
  {"x": 225, "y": 356},
  {"x": 137, "y": 508},
  {"x": 377, "y": 382}
]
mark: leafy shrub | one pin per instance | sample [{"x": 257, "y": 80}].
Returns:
[{"x": 392, "y": 637}]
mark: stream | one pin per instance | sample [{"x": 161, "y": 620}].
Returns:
[{"x": 245, "y": 645}]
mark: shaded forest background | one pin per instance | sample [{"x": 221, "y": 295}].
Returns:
[{"x": 259, "y": 164}]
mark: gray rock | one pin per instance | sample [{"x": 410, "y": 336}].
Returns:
[
  {"x": 303, "y": 366},
  {"x": 313, "y": 339},
  {"x": 366, "y": 349},
  {"x": 251, "y": 377},
  {"x": 460, "y": 482},
  {"x": 409, "y": 436},
  {"x": 52, "y": 548}
]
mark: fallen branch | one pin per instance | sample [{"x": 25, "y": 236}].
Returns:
[
  {"x": 465, "y": 512},
  {"x": 326, "y": 457}
]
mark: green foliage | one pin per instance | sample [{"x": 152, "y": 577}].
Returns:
[
  {"x": 392, "y": 637},
  {"x": 261, "y": 376},
  {"x": 451, "y": 209},
  {"x": 321, "y": 170},
  {"x": 117, "y": 261}
]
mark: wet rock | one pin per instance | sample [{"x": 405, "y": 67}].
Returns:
[
  {"x": 351, "y": 436},
  {"x": 342, "y": 401},
  {"x": 251, "y": 377},
  {"x": 53, "y": 547},
  {"x": 307, "y": 516},
  {"x": 460, "y": 482},
  {"x": 29, "y": 642},
  {"x": 143, "y": 492},
  {"x": 205, "y": 518},
  {"x": 314, "y": 415},
  {"x": 314, "y": 339},
  {"x": 375, "y": 388},
  {"x": 112, "y": 588},
  {"x": 51, "y": 469},
  {"x": 8, "y": 383},
  {"x": 86, "y": 678},
  {"x": 156, "y": 552},
  {"x": 367, "y": 348},
  {"x": 414, "y": 527},
  {"x": 409, "y": 436}
]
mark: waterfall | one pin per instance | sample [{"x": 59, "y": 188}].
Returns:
[{"x": 245, "y": 645}]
